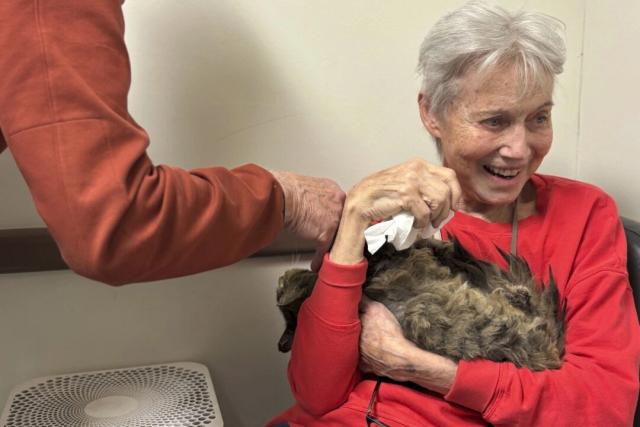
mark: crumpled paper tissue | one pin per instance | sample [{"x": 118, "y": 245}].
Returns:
[{"x": 398, "y": 231}]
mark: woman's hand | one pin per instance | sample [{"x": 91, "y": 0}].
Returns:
[
  {"x": 384, "y": 351},
  {"x": 426, "y": 191},
  {"x": 383, "y": 347}
]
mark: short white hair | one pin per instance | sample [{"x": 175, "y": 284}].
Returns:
[{"x": 481, "y": 37}]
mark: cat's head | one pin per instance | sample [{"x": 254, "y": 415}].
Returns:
[{"x": 293, "y": 285}]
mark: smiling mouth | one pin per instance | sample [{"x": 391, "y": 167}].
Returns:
[{"x": 502, "y": 173}]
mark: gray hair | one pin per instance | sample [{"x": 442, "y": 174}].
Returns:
[{"x": 483, "y": 37}]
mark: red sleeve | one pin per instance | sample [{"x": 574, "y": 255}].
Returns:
[
  {"x": 116, "y": 217},
  {"x": 598, "y": 381},
  {"x": 324, "y": 361}
]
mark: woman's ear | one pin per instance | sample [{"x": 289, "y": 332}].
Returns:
[{"x": 430, "y": 122}]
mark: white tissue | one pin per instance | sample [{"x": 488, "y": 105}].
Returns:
[{"x": 398, "y": 231}]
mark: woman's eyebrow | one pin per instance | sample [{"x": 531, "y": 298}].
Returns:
[
  {"x": 546, "y": 104},
  {"x": 500, "y": 112},
  {"x": 503, "y": 112}
]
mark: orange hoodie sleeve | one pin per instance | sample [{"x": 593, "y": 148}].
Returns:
[{"x": 64, "y": 80}]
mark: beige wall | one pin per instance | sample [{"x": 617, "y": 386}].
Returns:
[
  {"x": 609, "y": 143},
  {"x": 319, "y": 87},
  {"x": 289, "y": 84}
]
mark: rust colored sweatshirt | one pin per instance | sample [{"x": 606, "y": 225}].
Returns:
[
  {"x": 578, "y": 233},
  {"x": 117, "y": 218}
]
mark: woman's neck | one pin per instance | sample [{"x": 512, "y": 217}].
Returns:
[{"x": 526, "y": 206}]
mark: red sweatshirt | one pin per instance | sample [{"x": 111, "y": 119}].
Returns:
[
  {"x": 64, "y": 80},
  {"x": 577, "y": 232}
]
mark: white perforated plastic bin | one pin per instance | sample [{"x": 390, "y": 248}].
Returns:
[{"x": 168, "y": 395}]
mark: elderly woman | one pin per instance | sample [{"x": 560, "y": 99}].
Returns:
[{"x": 486, "y": 99}]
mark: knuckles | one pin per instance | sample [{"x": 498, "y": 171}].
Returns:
[
  {"x": 418, "y": 164},
  {"x": 450, "y": 173}
]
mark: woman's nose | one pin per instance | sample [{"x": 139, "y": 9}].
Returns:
[{"x": 515, "y": 144}]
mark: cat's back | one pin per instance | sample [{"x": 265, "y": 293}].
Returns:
[{"x": 450, "y": 303}]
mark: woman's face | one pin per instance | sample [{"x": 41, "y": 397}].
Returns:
[{"x": 494, "y": 137}]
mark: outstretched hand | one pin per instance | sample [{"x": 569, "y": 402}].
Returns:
[{"x": 313, "y": 207}]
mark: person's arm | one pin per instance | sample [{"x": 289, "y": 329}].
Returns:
[
  {"x": 116, "y": 216},
  {"x": 598, "y": 381},
  {"x": 324, "y": 357},
  {"x": 596, "y": 385},
  {"x": 324, "y": 360}
]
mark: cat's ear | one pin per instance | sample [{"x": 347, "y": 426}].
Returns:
[
  {"x": 518, "y": 266},
  {"x": 552, "y": 293}
]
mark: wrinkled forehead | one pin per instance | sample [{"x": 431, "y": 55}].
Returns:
[{"x": 505, "y": 86}]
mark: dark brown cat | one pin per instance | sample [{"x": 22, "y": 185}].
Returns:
[{"x": 450, "y": 303}]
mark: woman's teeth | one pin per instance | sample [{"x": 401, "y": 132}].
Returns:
[{"x": 502, "y": 173}]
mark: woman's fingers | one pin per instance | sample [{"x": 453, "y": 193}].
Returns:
[
  {"x": 448, "y": 177},
  {"x": 427, "y": 192},
  {"x": 382, "y": 344},
  {"x": 421, "y": 212},
  {"x": 442, "y": 193},
  {"x": 437, "y": 196}
]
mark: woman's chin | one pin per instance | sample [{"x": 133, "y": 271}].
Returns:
[
  {"x": 488, "y": 192},
  {"x": 500, "y": 192}
]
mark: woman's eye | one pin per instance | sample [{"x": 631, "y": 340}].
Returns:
[
  {"x": 494, "y": 122},
  {"x": 542, "y": 119}
]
